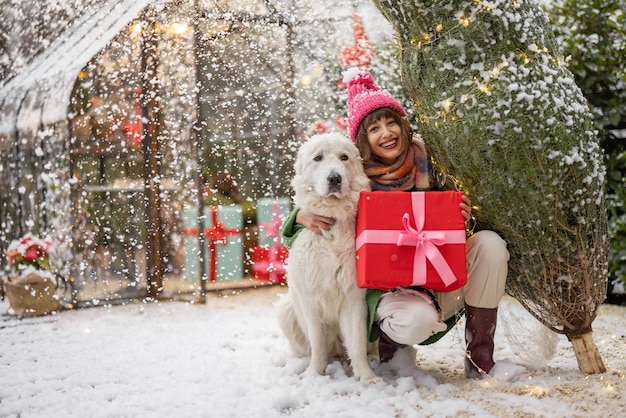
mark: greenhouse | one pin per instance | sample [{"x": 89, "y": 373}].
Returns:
[{"x": 140, "y": 115}]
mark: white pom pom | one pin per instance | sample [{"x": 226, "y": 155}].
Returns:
[{"x": 350, "y": 74}]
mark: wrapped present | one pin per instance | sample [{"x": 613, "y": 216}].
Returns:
[
  {"x": 411, "y": 239},
  {"x": 224, "y": 243},
  {"x": 270, "y": 213},
  {"x": 269, "y": 263}
]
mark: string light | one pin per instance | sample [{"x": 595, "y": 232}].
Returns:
[
  {"x": 464, "y": 21},
  {"x": 447, "y": 104}
]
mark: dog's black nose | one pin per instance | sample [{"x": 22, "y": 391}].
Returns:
[{"x": 334, "y": 180}]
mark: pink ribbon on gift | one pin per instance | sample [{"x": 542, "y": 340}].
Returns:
[
  {"x": 272, "y": 229},
  {"x": 425, "y": 242},
  {"x": 273, "y": 266}
]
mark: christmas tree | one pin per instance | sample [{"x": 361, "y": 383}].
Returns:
[{"x": 502, "y": 114}]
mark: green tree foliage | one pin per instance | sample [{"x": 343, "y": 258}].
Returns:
[
  {"x": 502, "y": 113},
  {"x": 592, "y": 34}
]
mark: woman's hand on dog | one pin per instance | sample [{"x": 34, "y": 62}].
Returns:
[{"x": 315, "y": 223}]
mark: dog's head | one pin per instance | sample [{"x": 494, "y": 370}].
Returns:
[{"x": 328, "y": 169}]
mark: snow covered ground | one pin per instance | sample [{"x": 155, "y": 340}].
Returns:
[{"x": 228, "y": 358}]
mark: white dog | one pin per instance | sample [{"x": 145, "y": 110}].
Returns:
[{"x": 324, "y": 309}]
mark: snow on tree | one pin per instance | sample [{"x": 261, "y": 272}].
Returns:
[{"x": 503, "y": 115}]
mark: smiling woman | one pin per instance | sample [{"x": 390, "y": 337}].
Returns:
[{"x": 508, "y": 120}]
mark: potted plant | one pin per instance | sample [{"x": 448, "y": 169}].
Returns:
[{"x": 31, "y": 286}]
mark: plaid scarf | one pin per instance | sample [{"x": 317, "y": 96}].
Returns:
[{"x": 409, "y": 172}]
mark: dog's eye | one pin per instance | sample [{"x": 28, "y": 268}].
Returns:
[
  {"x": 344, "y": 157},
  {"x": 318, "y": 158}
]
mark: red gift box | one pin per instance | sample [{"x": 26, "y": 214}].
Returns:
[
  {"x": 269, "y": 263},
  {"x": 411, "y": 239}
]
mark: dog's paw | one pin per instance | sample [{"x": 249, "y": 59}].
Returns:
[{"x": 371, "y": 380}]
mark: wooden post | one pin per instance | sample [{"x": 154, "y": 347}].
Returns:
[
  {"x": 151, "y": 112},
  {"x": 197, "y": 134}
]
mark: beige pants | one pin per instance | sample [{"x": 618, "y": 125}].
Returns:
[{"x": 402, "y": 316}]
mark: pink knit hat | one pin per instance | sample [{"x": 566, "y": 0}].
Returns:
[{"x": 364, "y": 96}]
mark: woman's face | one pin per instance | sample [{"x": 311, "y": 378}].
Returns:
[{"x": 385, "y": 139}]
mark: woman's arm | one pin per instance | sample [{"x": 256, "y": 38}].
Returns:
[{"x": 298, "y": 220}]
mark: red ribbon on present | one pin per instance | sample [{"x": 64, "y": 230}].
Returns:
[
  {"x": 425, "y": 242},
  {"x": 217, "y": 234}
]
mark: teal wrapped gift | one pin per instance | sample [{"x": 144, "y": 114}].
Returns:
[
  {"x": 270, "y": 213},
  {"x": 224, "y": 243}
]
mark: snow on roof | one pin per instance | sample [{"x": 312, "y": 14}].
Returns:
[{"x": 40, "y": 93}]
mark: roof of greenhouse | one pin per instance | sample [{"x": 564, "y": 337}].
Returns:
[{"x": 40, "y": 93}]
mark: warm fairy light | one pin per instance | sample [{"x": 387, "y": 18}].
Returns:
[
  {"x": 524, "y": 57},
  {"x": 306, "y": 80},
  {"x": 439, "y": 27},
  {"x": 177, "y": 28},
  {"x": 415, "y": 42},
  {"x": 464, "y": 21},
  {"x": 425, "y": 37},
  {"x": 174, "y": 28},
  {"x": 447, "y": 104},
  {"x": 135, "y": 28},
  {"x": 537, "y": 392},
  {"x": 483, "y": 88}
]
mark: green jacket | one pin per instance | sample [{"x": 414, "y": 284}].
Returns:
[{"x": 290, "y": 230}]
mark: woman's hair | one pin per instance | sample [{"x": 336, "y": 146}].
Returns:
[{"x": 361, "y": 136}]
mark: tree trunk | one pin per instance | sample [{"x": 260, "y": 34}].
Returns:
[{"x": 587, "y": 355}]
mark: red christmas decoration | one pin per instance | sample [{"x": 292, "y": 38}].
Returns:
[
  {"x": 132, "y": 129},
  {"x": 361, "y": 54}
]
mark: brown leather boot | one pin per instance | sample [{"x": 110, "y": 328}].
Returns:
[
  {"x": 387, "y": 347},
  {"x": 480, "y": 328}
]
